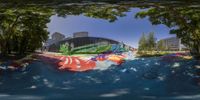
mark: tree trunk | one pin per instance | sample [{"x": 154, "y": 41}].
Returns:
[
  {"x": 196, "y": 51},
  {"x": 3, "y": 49}
]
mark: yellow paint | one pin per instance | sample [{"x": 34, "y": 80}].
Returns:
[{"x": 187, "y": 57}]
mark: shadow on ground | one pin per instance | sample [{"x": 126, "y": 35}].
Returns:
[{"x": 141, "y": 79}]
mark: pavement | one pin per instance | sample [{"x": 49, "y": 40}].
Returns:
[{"x": 137, "y": 79}]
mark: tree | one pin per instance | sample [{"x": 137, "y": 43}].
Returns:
[
  {"x": 107, "y": 12},
  {"x": 183, "y": 21},
  {"x": 55, "y": 1},
  {"x": 142, "y": 43},
  {"x": 151, "y": 43},
  {"x": 161, "y": 46},
  {"x": 23, "y": 29}
]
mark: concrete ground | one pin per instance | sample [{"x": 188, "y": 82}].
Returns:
[{"x": 137, "y": 79}]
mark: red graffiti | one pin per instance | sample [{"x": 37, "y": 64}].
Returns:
[{"x": 75, "y": 64}]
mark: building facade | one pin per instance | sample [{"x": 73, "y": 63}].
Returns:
[
  {"x": 173, "y": 44},
  {"x": 80, "y": 34},
  {"x": 82, "y": 39},
  {"x": 57, "y": 36}
]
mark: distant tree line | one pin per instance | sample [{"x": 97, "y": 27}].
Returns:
[
  {"x": 161, "y": 46},
  {"x": 147, "y": 43}
]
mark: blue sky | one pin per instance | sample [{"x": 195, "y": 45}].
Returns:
[{"x": 126, "y": 29}]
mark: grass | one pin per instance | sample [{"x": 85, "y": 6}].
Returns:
[{"x": 154, "y": 53}]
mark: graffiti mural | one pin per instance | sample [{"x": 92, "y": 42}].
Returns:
[{"x": 87, "y": 62}]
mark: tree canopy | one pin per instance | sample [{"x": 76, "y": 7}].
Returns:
[
  {"x": 147, "y": 42},
  {"x": 184, "y": 21},
  {"x": 22, "y": 29},
  {"x": 161, "y": 46}
]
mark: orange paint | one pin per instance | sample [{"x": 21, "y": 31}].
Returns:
[
  {"x": 116, "y": 58},
  {"x": 76, "y": 64}
]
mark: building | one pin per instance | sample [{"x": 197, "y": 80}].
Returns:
[
  {"x": 82, "y": 39},
  {"x": 57, "y": 36},
  {"x": 80, "y": 34},
  {"x": 173, "y": 43}
]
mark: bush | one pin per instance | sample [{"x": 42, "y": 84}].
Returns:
[{"x": 64, "y": 49}]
